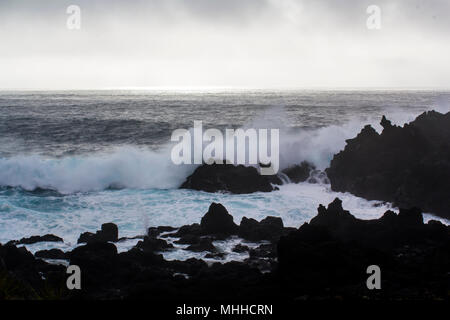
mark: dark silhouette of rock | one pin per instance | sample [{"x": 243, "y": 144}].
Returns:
[
  {"x": 188, "y": 230},
  {"x": 335, "y": 248},
  {"x": 299, "y": 173},
  {"x": 93, "y": 250},
  {"x": 24, "y": 277},
  {"x": 408, "y": 166},
  {"x": 51, "y": 254},
  {"x": 153, "y": 232},
  {"x": 264, "y": 251},
  {"x": 270, "y": 228},
  {"x": 188, "y": 239},
  {"x": 14, "y": 258},
  {"x": 227, "y": 177},
  {"x": 153, "y": 244},
  {"x": 108, "y": 232},
  {"x": 239, "y": 248},
  {"x": 36, "y": 239},
  {"x": 325, "y": 259},
  {"x": 217, "y": 221},
  {"x": 205, "y": 244}
]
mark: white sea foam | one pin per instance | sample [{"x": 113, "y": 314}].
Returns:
[
  {"x": 124, "y": 167},
  {"x": 134, "y": 210}
]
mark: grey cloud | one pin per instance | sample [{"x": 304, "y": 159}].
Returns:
[{"x": 428, "y": 15}]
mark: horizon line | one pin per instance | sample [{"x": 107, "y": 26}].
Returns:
[{"x": 234, "y": 88}]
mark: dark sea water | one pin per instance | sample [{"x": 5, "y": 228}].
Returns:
[
  {"x": 61, "y": 152},
  {"x": 74, "y": 122}
]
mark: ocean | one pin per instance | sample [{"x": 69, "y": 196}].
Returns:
[{"x": 72, "y": 160}]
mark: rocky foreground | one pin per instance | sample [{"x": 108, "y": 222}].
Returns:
[{"x": 326, "y": 258}]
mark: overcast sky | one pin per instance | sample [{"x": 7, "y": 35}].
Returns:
[{"x": 217, "y": 43}]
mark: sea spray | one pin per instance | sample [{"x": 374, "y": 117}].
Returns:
[{"x": 142, "y": 168}]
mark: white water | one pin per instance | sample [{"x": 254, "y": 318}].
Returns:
[
  {"x": 140, "y": 168},
  {"x": 149, "y": 194}
]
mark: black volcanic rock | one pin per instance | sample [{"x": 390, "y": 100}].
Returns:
[
  {"x": 205, "y": 244},
  {"x": 153, "y": 232},
  {"x": 227, "y": 177},
  {"x": 325, "y": 259},
  {"x": 270, "y": 228},
  {"x": 217, "y": 221},
  {"x": 51, "y": 254},
  {"x": 188, "y": 239},
  {"x": 24, "y": 277},
  {"x": 335, "y": 248},
  {"x": 93, "y": 250},
  {"x": 408, "y": 166},
  {"x": 15, "y": 258},
  {"x": 153, "y": 244},
  {"x": 36, "y": 239},
  {"x": 299, "y": 173},
  {"x": 389, "y": 232},
  {"x": 239, "y": 248},
  {"x": 108, "y": 232}
]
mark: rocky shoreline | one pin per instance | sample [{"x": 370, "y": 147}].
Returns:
[{"x": 326, "y": 258}]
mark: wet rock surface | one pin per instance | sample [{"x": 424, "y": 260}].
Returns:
[
  {"x": 326, "y": 258},
  {"x": 230, "y": 178},
  {"x": 36, "y": 239},
  {"x": 51, "y": 254},
  {"x": 408, "y": 166},
  {"x": 299, "y": 173},
  {"x": 218, "y": 221},
  {"x": 108, "y": 232}
]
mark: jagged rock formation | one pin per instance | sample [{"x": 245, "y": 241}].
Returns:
[
  {"x": 408, "y": 166},
  {"x": 324, "y": 259}
]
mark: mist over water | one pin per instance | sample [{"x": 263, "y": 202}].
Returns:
[{"x": 70, "y": 161}]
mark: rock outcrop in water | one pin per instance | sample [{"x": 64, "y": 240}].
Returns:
[
  {"x": 230, "y": 178},
  {"x": 36, "y": 239},
  {"x": 218, "y": 221},
  {"x": 408, "y": 166},
  {"x": 299, "y": 173},
  {"x": 108, "y": 232}
]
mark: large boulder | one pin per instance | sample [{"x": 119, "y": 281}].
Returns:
[
  {"x": 270, "y": 228},
  {"x": 152, "y": 244},
  {"x": 408, "y": 166},
  {"x": 227, "y": 177},
  {"x": 299, "y": 173},
  {"x": 217, "y": 221},
  {"x": 97, "y": 261},
  {"x": 50, "y": 254},
  {"x": 108, "y": 232}
]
